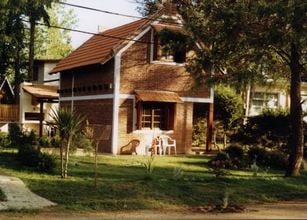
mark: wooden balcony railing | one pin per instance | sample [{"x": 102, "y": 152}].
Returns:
[{"x": 9, "y": 113}]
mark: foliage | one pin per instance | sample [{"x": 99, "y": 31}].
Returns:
[
  {"x": 272, "y": 159},
  {"x": 147, "y": 7},
  {"x": 173, "y": 43},
  {"x": 228, "y": 106},
  {"x": 269, "y": 129},
  {"x": 199, "y": 132},
  {"x": 15, "y": 134},
  {"x": 264, "y": 36},
  {"x": 5, "y": 142},
  {"x": 31, "y": 157},
  {"x": 149, "y": 166},
  {"x": 68, "y": 123},
  {"x": 53, "y": 43},
  {"x": 235, "y": 151},
  {"x": 83, "y": 142},
  {"x": 55, "y": 141},
  {"x": 44, "y": 141}
]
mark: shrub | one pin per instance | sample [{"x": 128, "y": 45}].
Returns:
[
  {"x": 273, "y": 159},
  {"x": 81, "y": 141},
  {"x": 15, "y": 135},
  {"x": 228, "y": 106},
  {"x": 277, "y": 160},
  {"x": 221, "y": 159},
  {"x": 269, "y": 129},
  {"x": 30, "y": 156},
  {"x": 46, "y": 163},
  {"x": 258, "y": 154},
  {"x": 55, "y": 141},
  {"x": 44, "y": 141},
  {"x": 235, "y": 151},
  {"x": 4, "y": 140},
  {"x": 199, "y": 132}
]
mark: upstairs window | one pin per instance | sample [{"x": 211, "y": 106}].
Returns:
[{"x": 170, "y": 46}]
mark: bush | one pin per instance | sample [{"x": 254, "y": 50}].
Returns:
[
  {"x": 235, "y": 151},
  {"x": 278, "y": 160},
  {"x": 83, "y": 142},
  {"x": 55, "y": 141},
  {"x": 44, "y": 141},
  {"x": 258, "y": 154},
  {"x": 273, "y": 159},
  {"x": 46, "y": 163},
  {"x": 199, "y": 132},
  {"x": 4, "y": 140},
  {"x": 15, "y": 135},
  {"x": 221, "y": 159},
  {"x": 269, "y": 129},
  {"x": 31, "y": 157}
]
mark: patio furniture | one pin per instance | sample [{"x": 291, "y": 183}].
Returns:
[
  {"x": 130, "y": 148},
  {"x": 157, "y": 146},
  {"x": 167, "y": 144}
]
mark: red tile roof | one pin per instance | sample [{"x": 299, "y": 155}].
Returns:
[{"x": 99, "y": 48}]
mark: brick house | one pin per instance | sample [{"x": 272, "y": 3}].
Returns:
[{"x": 121, "y": 78}]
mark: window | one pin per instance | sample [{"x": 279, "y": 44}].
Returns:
[
  {"x": 261, "y": 101},
  {"x": 152, "y": 115},
  {"x": 170, "y": 46}
]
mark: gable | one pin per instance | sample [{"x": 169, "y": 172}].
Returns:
[{"x": 100, "y": 48}]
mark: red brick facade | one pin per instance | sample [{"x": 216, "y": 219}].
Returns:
[{"x": 136, "y": 72}]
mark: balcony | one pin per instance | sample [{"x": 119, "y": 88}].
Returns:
[{"x": 9, "y": 113}]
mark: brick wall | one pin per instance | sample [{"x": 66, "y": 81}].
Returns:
[
  {"x": 138, "y": 73},
  {"x": 97, "y": 112}
]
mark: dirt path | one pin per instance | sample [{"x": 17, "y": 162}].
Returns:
[
  {"x": 284, "y": 210},
  {"x": 19, "y": 196}
]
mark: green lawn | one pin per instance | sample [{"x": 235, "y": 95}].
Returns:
[{"x": 123, "y": 184}]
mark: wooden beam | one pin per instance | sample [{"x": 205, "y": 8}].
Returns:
[
  {"x": 41, "y": 119},
  {"x": 210, "y": 126}
]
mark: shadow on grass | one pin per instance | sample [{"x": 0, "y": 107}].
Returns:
[{"x": 123, "y": 187}]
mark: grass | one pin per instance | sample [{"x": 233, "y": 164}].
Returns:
[{"x": 124, "y": 184}]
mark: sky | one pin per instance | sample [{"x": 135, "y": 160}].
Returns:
[{"x": 90, "y": 20}]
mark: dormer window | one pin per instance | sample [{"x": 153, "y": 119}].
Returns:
[{"x": 170, "y": 46}]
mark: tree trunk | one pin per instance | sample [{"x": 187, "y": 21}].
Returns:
[
  {"x": 67, "y": 157},
  {"x": 96, "y": 152},
  {"x": 31, "y": 49},
  {"x": 296, "y": 117},
  {"x": 62, "y": 159}
]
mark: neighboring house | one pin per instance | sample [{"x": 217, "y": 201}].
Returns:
[
  {"x": 272, "y": 97},
  {"x": 131, "y": 86},
  {"x": 8, "y": 110},
  {"x": 36, "y": 99}
]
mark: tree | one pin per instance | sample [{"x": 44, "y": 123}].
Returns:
[
  {"x": 68, "y": 123},
  {"x": 147, "y": 7},
  {"x": 53, "y": 43},
  {"x": 238, "y": 35},
  {"x": 228, "y": 108},
  {"x": 35, "y": 10}
]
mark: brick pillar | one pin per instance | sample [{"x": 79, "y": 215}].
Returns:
[{"x": 210, "y": 124}]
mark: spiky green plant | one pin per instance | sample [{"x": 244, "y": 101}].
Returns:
[{"x": 68, "y": 123}]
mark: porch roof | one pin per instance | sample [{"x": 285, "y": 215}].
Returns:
[
  {"x": 48, "y": 92},
  {"x": 157, "y": 96}
]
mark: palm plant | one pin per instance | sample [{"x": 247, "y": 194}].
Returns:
[{"x": 68, "y": 123}]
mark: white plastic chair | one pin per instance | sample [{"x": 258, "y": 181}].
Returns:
[{"x": 167, "y": 144}]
